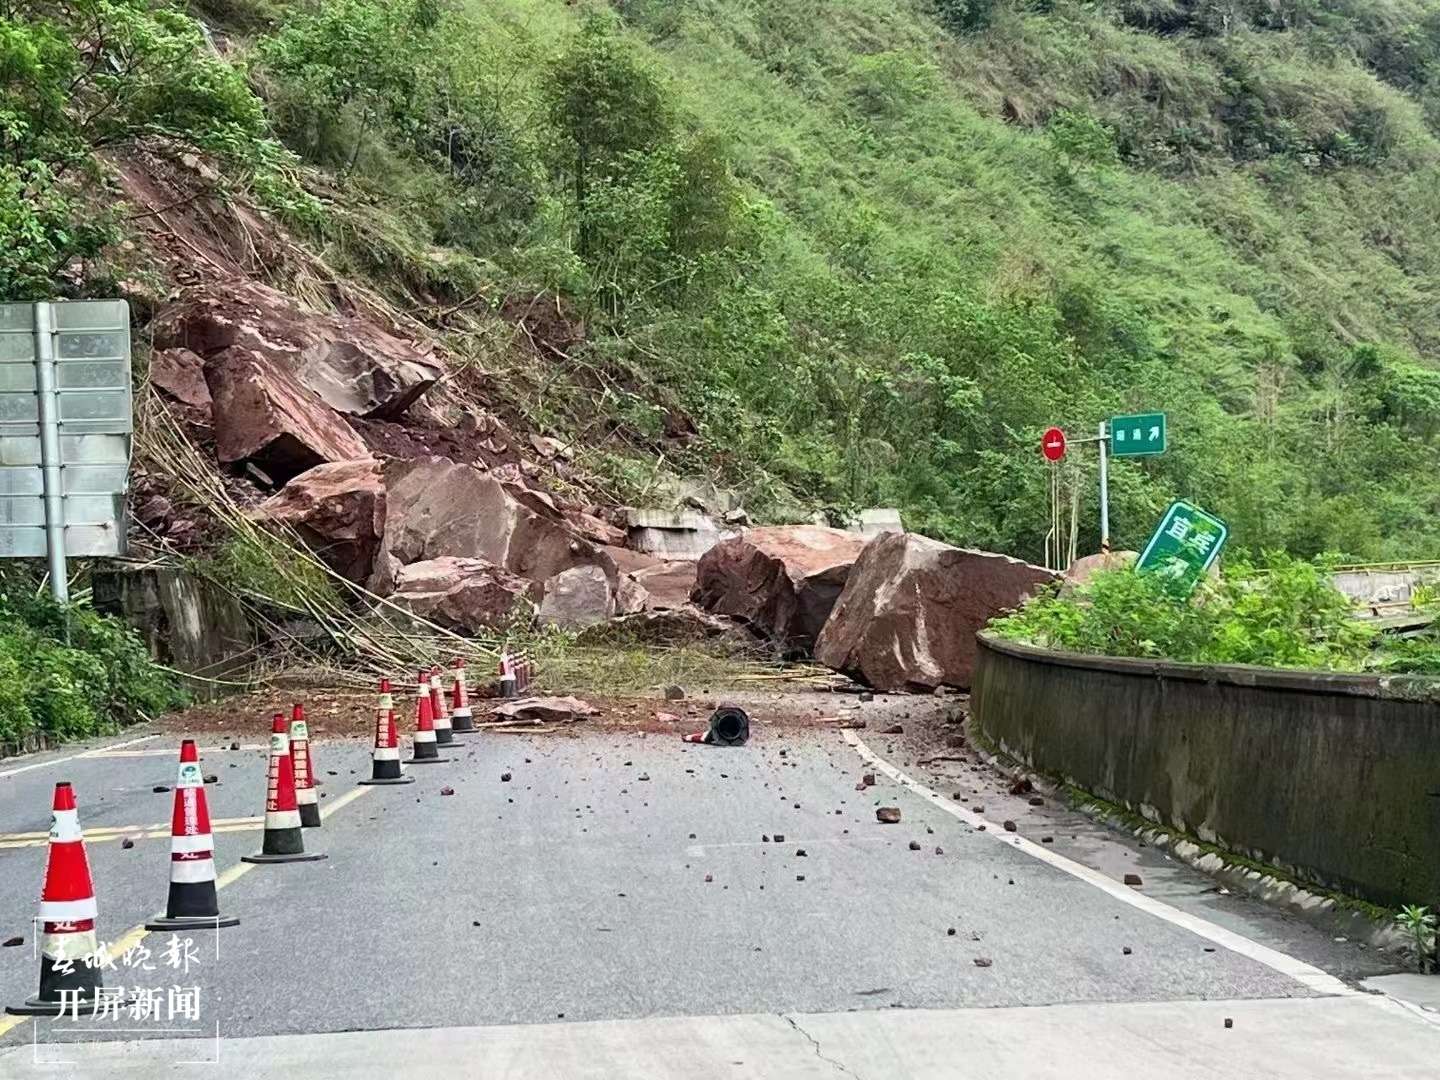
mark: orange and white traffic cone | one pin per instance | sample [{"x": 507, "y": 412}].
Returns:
[
  {"x": 193, "y": 904},
  {"x": 67, "y": 918},
  {"x": 520, "y": 664},
  {"x": 307, "y": 796},
  {"x": 462, "y": 720},
  {"x": 508, "y": 689},
  {"x": 426, "y": 751},
  {"x": 385, "y": 767},
  {"x": 283, "y": 840},
  {"x": 444, "y": 733}
]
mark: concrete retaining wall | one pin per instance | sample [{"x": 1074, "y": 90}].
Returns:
[{"x": 1333, "y": 778}]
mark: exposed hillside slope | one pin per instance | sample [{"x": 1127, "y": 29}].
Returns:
[{"x": 847, "y": 252}]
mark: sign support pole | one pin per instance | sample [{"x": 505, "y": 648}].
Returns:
[
  {"x": 1104, "y": 488},
  {"x": 50, "y": 454}
]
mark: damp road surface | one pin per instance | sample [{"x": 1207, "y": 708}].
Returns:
[{"x": 626, "y": 905}]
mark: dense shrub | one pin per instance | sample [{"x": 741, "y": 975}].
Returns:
[{"x": 1284, "y": 613}]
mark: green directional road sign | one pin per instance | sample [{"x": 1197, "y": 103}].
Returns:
[
  {"x": 1185, "y": 545},
  {"x": 1136, "y": 436}
]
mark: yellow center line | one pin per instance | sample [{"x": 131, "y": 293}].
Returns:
[
  {"x": 9, "y": 841},
  {"x": 137, "y": 934}
]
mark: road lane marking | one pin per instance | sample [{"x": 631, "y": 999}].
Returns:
[
  {"x": 73, "y": 757},
  {"x": 1307, "y": 975},
  {"x": 159, "y": 830},
  {"x": 137, "y": 934},
  {"x": 110, "y": 752}
]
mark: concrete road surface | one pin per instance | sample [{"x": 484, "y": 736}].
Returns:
[{"x": 625, "y": 906}]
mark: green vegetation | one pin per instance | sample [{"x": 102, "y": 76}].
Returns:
[
  {"x": 1284, "y": 613},
  {"x": 865, "y": 249},
  {"x": 71, "y": 674}
]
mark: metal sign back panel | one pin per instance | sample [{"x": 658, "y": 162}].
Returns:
[{"x": 89, "y": 346}]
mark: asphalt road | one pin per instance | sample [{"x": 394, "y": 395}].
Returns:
[{"x": 623, "y": 879}]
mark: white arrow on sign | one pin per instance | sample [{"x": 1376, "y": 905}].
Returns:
[{"x": 1154, "y": 433}]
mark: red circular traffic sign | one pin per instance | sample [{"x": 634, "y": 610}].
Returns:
[{"x": 1052, "y": 444}]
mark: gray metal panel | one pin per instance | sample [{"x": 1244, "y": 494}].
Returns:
[
  {"x": 82, "y": 541},
  {"x": 104, "y": 449},
  {"x": 17, "y": 378},
  {"x": 96, "y": 427},
  {"x": 94, "y": 480},
  {"x": 91, "y": 315},
  {"x": 21, "y": 542},
  {"x": 17, "y": 347},
  {"x": 91, "y": 509},
  {"x": 19, "y": 450},
  {"x": 22, "y": 480},
  {"x": 17, "y": 317},
  {"x": 94, "y": 405},
  {"x": 22, "y": 510},
  {"x": 91, "y": 375},
  {"x": 92, "y": 345},
  {"x": 19, "y": 408}
]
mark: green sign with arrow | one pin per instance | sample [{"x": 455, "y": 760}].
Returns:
[
  {"x": 1138, "y": 435},
  {"x": 1185, "y": 546}
]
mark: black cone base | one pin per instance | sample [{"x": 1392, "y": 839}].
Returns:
[
  {"x": 444, "y": 736},
  {"x": 425, "y": 760},
  {"x": 299, "y": 856},
  {"x": 193, "y": 922},
  {"x": 310, "y": 815},
  {"x": 52, "y": 981},
  {"x": 389, "y": 780},
  {"x": 36, "y": 1007}
]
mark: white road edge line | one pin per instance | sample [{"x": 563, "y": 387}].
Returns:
[
  {"x": 1306, "y": 974},
  {"x": 72, "y": 757}
]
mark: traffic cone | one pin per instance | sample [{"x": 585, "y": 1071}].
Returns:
[
  {"x": 193, "y": 904},
  {"x": 425, "y": 752},
  {"x": 385, "y": 767},
  {"x": 444, "y": 733},
  {"x": 508, "y": 688},
  {"x": 283, "y": 840},
  {"x": 520, "y": 664},
  {"x": 462, "y": 720},
  {"x": 67, "y": 917},
  {"x": 307, "y": 796}
]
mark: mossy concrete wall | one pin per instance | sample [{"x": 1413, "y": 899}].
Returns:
[{"x": 1333, "y": 778}]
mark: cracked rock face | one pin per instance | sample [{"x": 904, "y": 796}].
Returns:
[{"x": 911, "y": 607}]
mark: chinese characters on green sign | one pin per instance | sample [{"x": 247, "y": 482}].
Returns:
[
  {"x": 1139, "y": 435},
  {"x": 1185, "y": 545}
]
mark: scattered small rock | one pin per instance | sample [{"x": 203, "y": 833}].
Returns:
[
  {"x": 800, "y": 853},
  {"x": 1133, "y": 880},
  {"x": 982, "y": 961},
  {"x": 211, "y": 778},
  {"x": 160, "y": 789},
  {"x": 1021, "y": 786},
  {"x": 1229, "y": 1023},
  {"x": 709, "y": 878},
  {"x": 692, "y": 836},
  {"x": 504, "y": 777},
  {"x": 887, "y": 815},
  {"x": 950, "y": 932},
  {"x": 799, "y": 877},
  {"x": 929, "y": 831},
  {"x": 10, "y": 943},
  {"x": 447, "y": 790},
  {"x": 1037, "y": 801},
  {"x": 894, "y": 729},
  {"x": 914, "y": 845},
  {"x": 939, "y": 850},
  {"x": 474, "y": 922},
  {"x": 1125, "y": 951},
  {"x": 868, "y": 780},
  {"x": 1047, "y": 839},
  {"x": 1009, "y": 825},
  {"x": 127, "y": 843},
  {"x": 764, "y": 839},
  {"x": 978, "y": 808},
  {"x": 643, "y": 776},
  {"x": 234, "y": 746},
  {"x": 674, "y": 693},
  {"x": 779, "y": 838},
  {"x": 866, "y": 695}
]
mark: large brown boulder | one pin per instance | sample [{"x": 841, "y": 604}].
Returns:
[
  {"x": 470, "y": 595},
  {"x": 666, "y": 585},
  {"x": 911, "y": 609},
  {"x": 338, "y": 510},
  {"x": 263, "y": 415},
  {"x": 436, "y": 507},
  {"x": 353, "y": 363},
  {"x": 580, "y": 596},
  {"x": 783, "y": 581}
]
